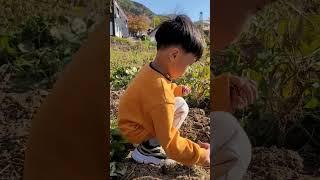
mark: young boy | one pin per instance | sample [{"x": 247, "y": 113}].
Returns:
[{"x": 152, "y": 109}]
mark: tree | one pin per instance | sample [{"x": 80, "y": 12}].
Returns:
[
  {"x": 137, "y": 23},
  {"x": 156, "y": 21}
]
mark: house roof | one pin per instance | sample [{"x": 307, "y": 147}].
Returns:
[
  {"x": 120, "y": 9},
  {"x": 206, "y": 22},
  {"x": 153, "y": 31}
]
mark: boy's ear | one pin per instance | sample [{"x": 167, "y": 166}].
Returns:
[{"x": 174, "y": 53}]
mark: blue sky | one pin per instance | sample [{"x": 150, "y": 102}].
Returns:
[{"x": 192, "y": 8}]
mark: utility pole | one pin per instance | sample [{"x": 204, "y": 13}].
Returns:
[{"x": 201, "y": 20}]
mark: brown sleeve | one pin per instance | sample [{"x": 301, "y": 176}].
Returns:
[
  {"x": 220, "y": 93},
  {"x": 68, "y": 136}
]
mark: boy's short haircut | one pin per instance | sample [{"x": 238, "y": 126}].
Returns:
[{"x": 180, "y": 31}]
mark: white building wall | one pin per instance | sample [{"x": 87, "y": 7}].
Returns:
[{"x": 111, "y": 28}]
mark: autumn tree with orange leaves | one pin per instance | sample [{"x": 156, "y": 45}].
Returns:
[{"x": 138, "y": 23}]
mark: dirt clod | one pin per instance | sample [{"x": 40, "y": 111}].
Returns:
[
  {"x": 273, "y": 163},
  {"x": 196, "y": 126}
]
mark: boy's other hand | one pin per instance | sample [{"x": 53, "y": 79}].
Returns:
[
  {"x": 207, "y": 161},
  {"x": 206, "y": 146},
  {"x": 186, "y": 90},
  {"x": 243, "y": 92}
]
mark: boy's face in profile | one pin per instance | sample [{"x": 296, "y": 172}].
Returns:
[
  {"x": 179, "y": 44},
  {"x": 179, "y": 61}
]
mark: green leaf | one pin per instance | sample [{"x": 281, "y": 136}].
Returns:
[
  {"x": 26, "y": 47},
  {"x": 54, "y": 32},
  {"x": 20, "y": 62},
  {"x": 313, "y": 103},
  {"x": 282, "y": 26},
  {"x": 308, "y": 48},
  {"x": 316, "y": 85},
  {"x": 78, "y": 26},
  {"x": 78, "y": 11},
  {"x": 4, "y": 42},
  {"x": 117, "y": 169},
  {"x": 5, "y": 46},
  {"x": 308, "y": 36},
  {"x": 307, "y": 92},
  {"x": 287, "y": 89},
  {"x": 252, "y": 74}
]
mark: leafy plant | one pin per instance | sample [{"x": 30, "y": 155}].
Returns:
[
  {"x": 7, "y": 50},
  {"x": 119, "y": 146},
  {"x": 121, "y": 77},
  {"x": 119, "y": 150},
  {"x": 40, "y": 48},
  {"x": 198, "y": 79},
  {"x": 282, "y": 56}
]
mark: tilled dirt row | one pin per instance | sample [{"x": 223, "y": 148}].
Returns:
[
  {"x": 16, "y": 112},
  {"x": 278, "y": 164}
]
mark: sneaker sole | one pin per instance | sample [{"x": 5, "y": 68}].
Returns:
[{"x": 140, "y": 158}]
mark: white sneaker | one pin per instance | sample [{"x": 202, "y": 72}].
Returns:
[{"x": 147, "y": 154}]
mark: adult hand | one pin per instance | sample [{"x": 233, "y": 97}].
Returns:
[{"x": 243, "y": 92}]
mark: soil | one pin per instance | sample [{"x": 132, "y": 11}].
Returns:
[
  {"x": 17, "y": 110},
  {"x": 177, "y": 171},
  {"x": 114, "y": 102},
  {"x": 267, "y": 163},
  {"x": 278, "y": 164},
  {"x": 197, "y": 126}
]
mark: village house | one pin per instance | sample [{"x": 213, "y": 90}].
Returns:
[{"x": 118, "y": 21}]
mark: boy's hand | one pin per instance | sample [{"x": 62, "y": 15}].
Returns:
[
  {"x": 206, "y": 146},
  {"x": 243, "y": 92},
  {"x": 186, "y": 90}
]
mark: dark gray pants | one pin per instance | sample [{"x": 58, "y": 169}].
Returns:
[{"x": 230, "y": 147}]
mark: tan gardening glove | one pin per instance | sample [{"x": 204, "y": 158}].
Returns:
[
  {"x": 231, "y": 92},
  {"x": 243, "y": 92}
]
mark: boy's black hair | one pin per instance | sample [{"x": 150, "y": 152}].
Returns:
[{"x": 180, "y": 31}]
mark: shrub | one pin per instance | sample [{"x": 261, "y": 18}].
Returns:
[
  {"x": 121, "y": 77},
  {"x": 197, "y": 78},
  {"x": 282, "y": 56}
]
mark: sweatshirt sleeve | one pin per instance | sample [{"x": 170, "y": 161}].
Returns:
[
  {"x": 177, "y": 148},
  {"x": 220, "y": 93},
  {"x": 177, "y": 90}
]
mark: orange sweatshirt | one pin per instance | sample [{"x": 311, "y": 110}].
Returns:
[{"x": 146, "y": 110}]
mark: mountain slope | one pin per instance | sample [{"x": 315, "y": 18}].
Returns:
[{"x": 135, "y": 8}]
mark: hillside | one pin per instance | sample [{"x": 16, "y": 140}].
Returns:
[{"x": 135, "y": 8}]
